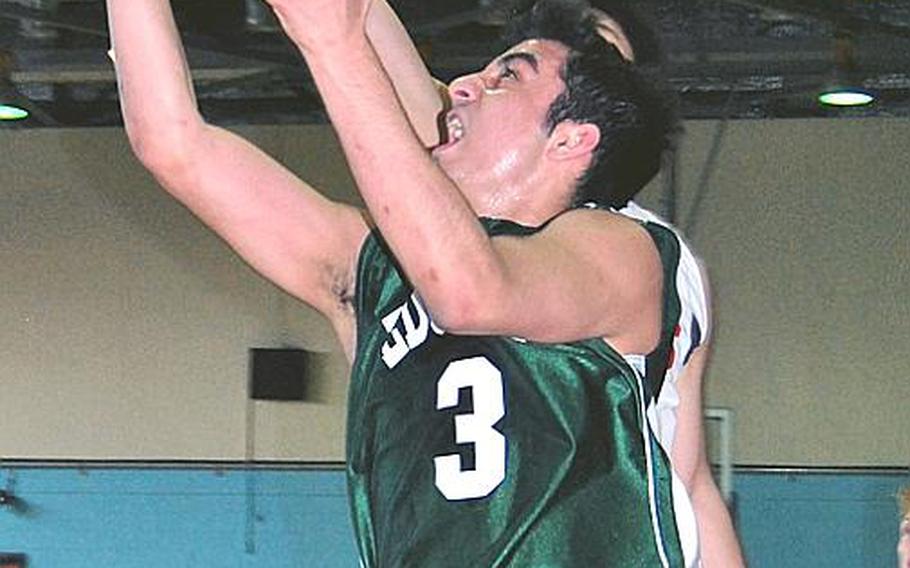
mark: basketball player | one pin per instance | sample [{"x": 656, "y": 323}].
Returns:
[
  {"x": 675, "y": 369},
  {"x": 492, "y": 418}
]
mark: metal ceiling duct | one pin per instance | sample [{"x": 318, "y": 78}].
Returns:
[{"x": 33, "y": 29}]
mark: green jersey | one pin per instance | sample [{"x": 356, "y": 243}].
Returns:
[{"x": 477, "y": 451}]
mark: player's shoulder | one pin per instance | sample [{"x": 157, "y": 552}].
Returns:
[
  {"x": 593, "y": 221},
  {"x": 604, "y": 238}
]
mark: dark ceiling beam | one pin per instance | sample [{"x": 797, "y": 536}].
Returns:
[
  {"x": 278, "y": 52},
  {"x": 446, "y": 23},
  {"x": 17, "y": 12},
  {"x": 839, "y": 12},
  {"x": 9, "y": 94}
]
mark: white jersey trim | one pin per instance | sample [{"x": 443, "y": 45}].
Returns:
[
  {"x": 652, "y": 499},
  {"x": 694, "y": 329}
]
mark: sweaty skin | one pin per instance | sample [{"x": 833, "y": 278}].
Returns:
[
  {"x": 471, "y": 283},
  {"x": 308, "y": 244},
  {"x": 719, "y": 545}
]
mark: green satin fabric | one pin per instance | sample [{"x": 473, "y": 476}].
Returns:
[{"x": 575, "y": 489}]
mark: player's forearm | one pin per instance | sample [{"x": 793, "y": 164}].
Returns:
[
  {"x": 717, "y": 538},
  {"x": 156, "y": 93},
  {"x": 422, "y": 215},
  {"x": 419, "y": 93}
]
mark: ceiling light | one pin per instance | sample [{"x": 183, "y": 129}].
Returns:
[
  {"x": 12, "y": 112},
  {"x": 843, "y": 90},
  {"x": 845, "y": 97}
]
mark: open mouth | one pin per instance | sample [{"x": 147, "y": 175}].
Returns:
[
  {"x": 454, "y": 127},
  {"x": 454, "y": 131}
]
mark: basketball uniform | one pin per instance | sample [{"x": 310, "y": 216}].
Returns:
[
  {"x": 686, "y": 326},
  {"x": 485, "y": 451}
]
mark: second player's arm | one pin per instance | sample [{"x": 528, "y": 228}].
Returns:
[
  {"x": 422, "y": 97},
  {"x": 294, "y": 236},
  {"x": 718, "y": 544}
]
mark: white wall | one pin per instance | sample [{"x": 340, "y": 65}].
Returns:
[
  {"x": 805, "y": 230},
  {"x": 128, "y": 324}
]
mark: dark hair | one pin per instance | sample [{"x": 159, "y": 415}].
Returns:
[{"x": 635, "y": 116}]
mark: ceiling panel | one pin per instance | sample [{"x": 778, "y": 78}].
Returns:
[{"x": 730, "y": 58}]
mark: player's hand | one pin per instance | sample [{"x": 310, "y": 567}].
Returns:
[{"x": 317, "y": 24}]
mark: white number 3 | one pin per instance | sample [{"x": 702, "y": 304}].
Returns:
[{"x": 485, "y": 382}]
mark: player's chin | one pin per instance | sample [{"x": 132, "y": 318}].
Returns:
[{"x": 446, "y": 156}]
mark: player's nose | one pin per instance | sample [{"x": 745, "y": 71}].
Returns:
[{"x": 465, "y": 89}]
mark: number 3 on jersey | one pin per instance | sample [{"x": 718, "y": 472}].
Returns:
[{"x": 477, "y": 428}]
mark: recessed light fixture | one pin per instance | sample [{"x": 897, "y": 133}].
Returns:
[
  {"x": 845, "y": 97},
  {"x": 12, "y": 112}
]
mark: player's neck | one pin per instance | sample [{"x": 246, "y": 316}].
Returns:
[{"x": 530, "y": 200}]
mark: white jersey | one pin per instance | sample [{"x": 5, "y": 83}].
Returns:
[{"x": 692, "y": 330}]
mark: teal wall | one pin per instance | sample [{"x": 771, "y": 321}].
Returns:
[
  {"x": 219, "y": 518},
  {"x": 806, "y": 520},
  {"x": 297, "y": 517}
]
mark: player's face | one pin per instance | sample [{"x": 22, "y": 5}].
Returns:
[{"x": 496, "y": 128}]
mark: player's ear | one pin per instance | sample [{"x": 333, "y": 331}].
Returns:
[{"x": 571, "y": 140}]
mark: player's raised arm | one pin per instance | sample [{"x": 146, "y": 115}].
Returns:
[
  {"x": 470, "y": 282},
  {"x": 422, "y": 96},
  {"x": 300, "y": 240}
]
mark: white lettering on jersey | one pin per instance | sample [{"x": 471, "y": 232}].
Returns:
[{"x": 406, "y": 334}]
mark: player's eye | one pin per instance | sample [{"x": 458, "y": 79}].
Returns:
[{"x": 507, "y": 73}]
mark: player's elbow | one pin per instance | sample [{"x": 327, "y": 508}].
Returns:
[
  {"x": 466, "y": 307},
  {"x": 163, "y": 148},
  {"x": 699, "y": 479},
  {"x": 456, "y": 313}
]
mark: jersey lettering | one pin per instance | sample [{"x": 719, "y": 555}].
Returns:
[
  {"x": 477, "y": 428},
  {"x": 406, "y": 332}
]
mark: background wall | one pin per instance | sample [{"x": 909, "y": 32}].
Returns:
[
  {"x": 805, "y": 229},
  {"x": 128, "y": 324},
  {"x": 277, "y": 518}
]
